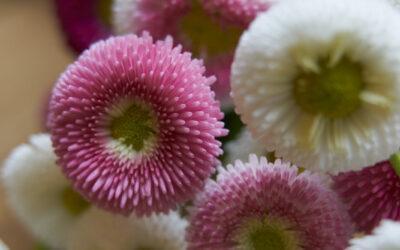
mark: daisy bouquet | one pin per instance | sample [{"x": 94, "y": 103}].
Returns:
[{"x": 218, "y": 124}]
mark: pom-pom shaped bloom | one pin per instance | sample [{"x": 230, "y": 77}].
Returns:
[
  {"x": 322, "y": 94},
  {"x": 39, "y": 193},
  {"x": 134, "y": 124},
  {"x": 371, "y": 194},
  {"x": 261, "y": 205},
  {"x": 207, "y": 35},
  {"x": 84, "y": 22},
  {"x": 384, "y": 237},
  {"x": 161, "y": 232}
]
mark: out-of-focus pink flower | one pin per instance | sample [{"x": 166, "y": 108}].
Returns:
[
  {"x": 84, "y": 22},
  {"x": 199, "y": 25},
  {"x": 371, "y": 194}
]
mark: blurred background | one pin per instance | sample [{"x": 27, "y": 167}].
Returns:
[{"x": 32, "y": 55}]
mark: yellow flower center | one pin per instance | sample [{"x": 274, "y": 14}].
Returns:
[
  {"x": 135, "y": 126},
  {"x": 206, "y": 35},
  {"x": 73, "y": 202},
  {"x": 332, "y": 91},
  {"x": 268, "y": 235}
]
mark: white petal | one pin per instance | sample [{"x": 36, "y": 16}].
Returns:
[
  {"x": 242, "y": 147},
  {"x": 33, "y": 185},
  {"x": 385, "y": 237},
  {"x": 3, "y": 246},
  {"x": 123, "y": 16}
]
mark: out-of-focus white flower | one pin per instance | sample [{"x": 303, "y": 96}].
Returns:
[
  {"x": 395, "y": 3},
  {"x": 384, "y": 237},
  {"x": 38, "y": 192},
  {"x": 242, "y": 147},
  {"x": 124, "y": 10},
  {"x": 105, "y": 231},
  {"x": 3, "y": 246},
  {"x": 318, "y": 82}
]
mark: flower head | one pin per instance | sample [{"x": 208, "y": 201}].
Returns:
[
  {"x": 371, "y": 194},
  {"x": 258, "y": 204},
  {"x": 134, "y": 124},
  {"x": 384, "y": 237},
  {"x": 322, "y": 94},
  {"x": 201, "y": 32},
  {"x": 162, "y": 232},
  {"x": 38, "y": 192},
  {"x": 84, "y": 22}
]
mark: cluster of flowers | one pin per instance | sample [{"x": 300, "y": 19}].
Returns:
[{"x": 136, "y": 128}]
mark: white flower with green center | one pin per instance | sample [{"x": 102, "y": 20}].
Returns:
[
  {"x": 101, "y": 230},
  {"x": 318, "y": 82},
  {"x": 39, "y": 194},
  {"x": 385, "y": 237}
]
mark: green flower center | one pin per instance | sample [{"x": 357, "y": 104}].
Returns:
[
  {"x": 330, "y": 90},
  {"x": 134, "y": 127},
  {"x": 268, "y": 235},
  {"x": 104, "y": 11},
  {"x": 206, "y": 34},
  {"x": 73, "y": 202},
  {"x": 395, "y": 162}
]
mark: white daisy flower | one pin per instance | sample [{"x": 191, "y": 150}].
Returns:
[
  {"x": 38, "y": 192},
  {"x": 3, "y": 246},
  {"x": 385, "y": 237},
  {"x": 318, "y": 82},
  {"x": 242, "y": 147},
  {"x": 101, "y": 230}
]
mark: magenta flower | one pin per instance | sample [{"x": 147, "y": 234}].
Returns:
[
  {"x": 371, "y": 194},
  {"x": 261, "y": 205},
  {"x": 205, "y": 33},
  {"x": 84, "y": 22},
  {"x": 134, "y": 124}
]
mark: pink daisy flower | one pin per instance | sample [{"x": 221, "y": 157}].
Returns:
[
  {"x": 84, "y": 22},
  {"x": 201, "y": 31},
  {"x": 261, "y": 205},
  {"x": 134, "y": 124},
  {"x": 371, "y": 194}
]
